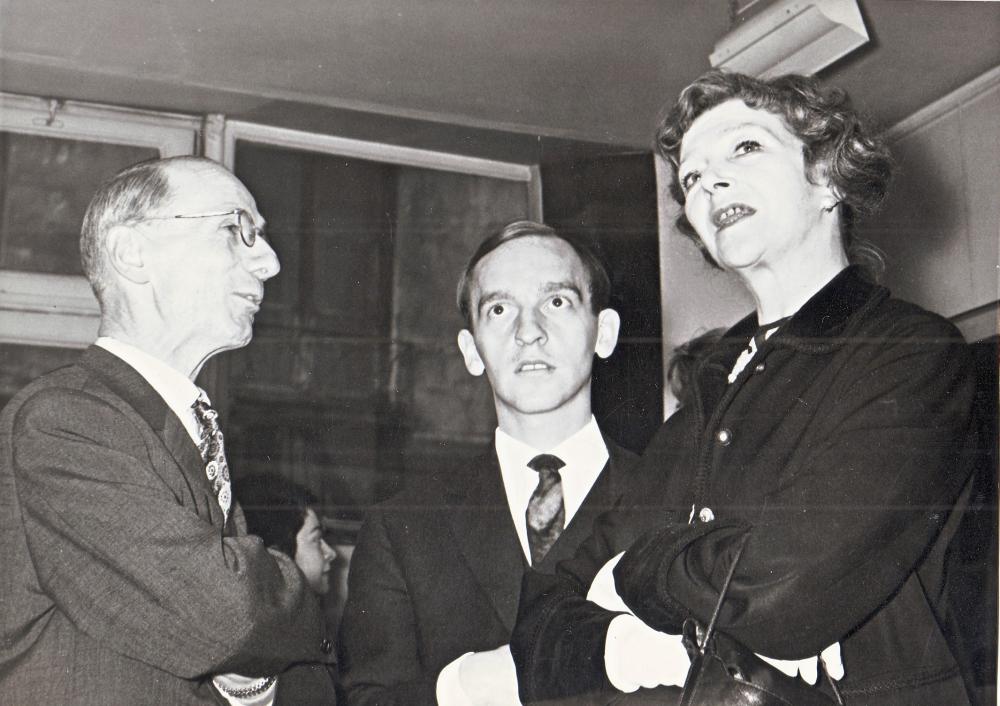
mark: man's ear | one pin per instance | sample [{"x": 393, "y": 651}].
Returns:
[
  {"x": 608, "y": 323},
  {"x": 470, "y": 354},
  {"x": 125, "y": 254}
]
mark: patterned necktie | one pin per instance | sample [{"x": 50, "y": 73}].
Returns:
[
  {"x": 213, "y": 452},
  {"x": 545, "y": 514}
]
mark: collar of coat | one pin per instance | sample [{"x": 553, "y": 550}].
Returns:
[{"x": 823, "y": 322}]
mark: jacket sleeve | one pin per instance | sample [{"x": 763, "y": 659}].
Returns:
[
  {"x": 559, "y": 639},
  {"x": 379, "y": 659},
  {"x": 847, "y": 522},
  {"x": 131, "y": 566}
]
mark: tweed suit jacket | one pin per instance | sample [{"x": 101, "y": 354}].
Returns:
[
  {"x": 122, "y": 582},
  {"x": 437, "y": 572}
]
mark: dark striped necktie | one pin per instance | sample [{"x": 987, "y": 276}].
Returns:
[{"x": 545, "y": 514}]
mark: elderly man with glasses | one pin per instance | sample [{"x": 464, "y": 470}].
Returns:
[{"x": 128, "y": 576}]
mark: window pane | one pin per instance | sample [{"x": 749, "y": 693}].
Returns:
[
  {"x": 19, "y": 365},
  {"x": 45, "y": 186},
  {"x": 353, "y": 376}
]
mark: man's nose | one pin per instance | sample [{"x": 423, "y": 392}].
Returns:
[
  {"x": 263, "y": 261},
  {"x": 529, "y": 329}
]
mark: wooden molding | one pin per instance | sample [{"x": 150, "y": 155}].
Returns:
[
  {"x": 944, "y": 105},
  {"x": 373, "y": 151}
]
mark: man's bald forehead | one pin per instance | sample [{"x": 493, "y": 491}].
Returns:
[
  {"x": 199, "y": 169},
  {"x": 195, "y": 165}
]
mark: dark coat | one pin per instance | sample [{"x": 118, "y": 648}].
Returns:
[
  {"x": 437, "y": 573},
  {"x": 842, "y": 447},
  {"x": 121, "y": 583}
]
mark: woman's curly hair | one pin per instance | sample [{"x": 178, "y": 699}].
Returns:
[{"x": 835, "y": 141}]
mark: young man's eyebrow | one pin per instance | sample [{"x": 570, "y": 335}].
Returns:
[
  {"x": 550, "y": 287},
  {"x": 490, "y": 297}
]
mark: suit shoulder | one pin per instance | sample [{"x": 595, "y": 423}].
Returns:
[
  {"x": 444, "y": 486},
  {"x": 58, "y": 393},
  {"x": 426, "y": 489}
]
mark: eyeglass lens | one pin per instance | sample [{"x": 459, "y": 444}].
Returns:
[{"x": 248, "y": 231}]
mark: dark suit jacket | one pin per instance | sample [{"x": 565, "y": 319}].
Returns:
[
  {"x": 436, "y": 574},
  {"x": 121, "y": 584}
]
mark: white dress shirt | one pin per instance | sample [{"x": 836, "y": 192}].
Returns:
[
  {"x": 173, "y": 386},
  {"x": 585, "y": 455},
  {"x": 179, "y": 393}
]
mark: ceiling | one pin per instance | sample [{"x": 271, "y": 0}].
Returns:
[{"x": 591, "y": 70}]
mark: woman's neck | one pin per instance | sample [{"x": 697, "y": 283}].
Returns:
[{"x": 781, "y": 291}]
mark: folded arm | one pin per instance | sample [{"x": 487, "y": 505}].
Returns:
[
  {"x": 849, "y": 520},
  {"x": 130, "y": 565}
]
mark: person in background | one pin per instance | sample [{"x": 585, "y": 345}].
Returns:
[
  {"x": 830, "y": 430},
  {"x": 283, "y": 514},
  {"x": 128, "y": 575},
  {"x": 434, "y": 580},
  {"x": 684, "y": 363}
]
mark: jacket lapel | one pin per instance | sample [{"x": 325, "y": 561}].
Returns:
[
  {"x": 476, "y": 505},
  {"x": 122, "y": 379},
  {"x": 603, "y": 495}
]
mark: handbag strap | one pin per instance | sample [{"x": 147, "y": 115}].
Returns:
[
  {"x": 710, "y": 631},
  {"x": 725, "y": 589}
]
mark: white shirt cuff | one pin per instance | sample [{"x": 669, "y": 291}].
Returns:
[
  {"x": 449, "y": 690},
  {"x": 636, "y": 655},
  {"x": 603, "y": 591},
  {"x": 492, "y": 679}
]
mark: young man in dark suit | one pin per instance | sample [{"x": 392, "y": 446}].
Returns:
[
  {"x": 128, "y": 576},
  {"x": 437, "y": 571}
]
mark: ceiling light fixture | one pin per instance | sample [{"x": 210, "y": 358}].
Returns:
[{"x": 789, "y": 36}]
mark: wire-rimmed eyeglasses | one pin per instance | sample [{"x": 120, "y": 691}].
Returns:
[{"x": 249, "y": 232}]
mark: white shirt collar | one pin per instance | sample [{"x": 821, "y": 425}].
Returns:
[
  {"x": 173, "y": 386},
  {"x": 585, "y": 455}
]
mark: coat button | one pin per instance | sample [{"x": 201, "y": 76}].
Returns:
[
  {"x": 326, "y": 647},
  {"x": 724, "y": 436},
  {"x": 706, "y": 514},
  {"x": 759, "y": 368}
]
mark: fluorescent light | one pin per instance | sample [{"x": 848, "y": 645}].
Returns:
[{"x": 792, "y": 36}]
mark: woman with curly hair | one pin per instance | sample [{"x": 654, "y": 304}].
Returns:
[{"x": 824, "y": 434}]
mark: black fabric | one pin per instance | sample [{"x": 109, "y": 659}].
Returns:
[
  {"x": 971, "y": 569},
  {"x": 436, "y": 573},
  {"x": 724, "y": 673},
  {"x": 846, "y": 452}
]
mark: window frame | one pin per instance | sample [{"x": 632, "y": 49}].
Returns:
[
  {"x": 234, "y": 130},
  {"x": 60, "y": 310}
]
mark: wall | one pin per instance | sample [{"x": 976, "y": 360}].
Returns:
[
  {"x": 941, "y": 224},
  {"x": 609, "y": 201}
]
